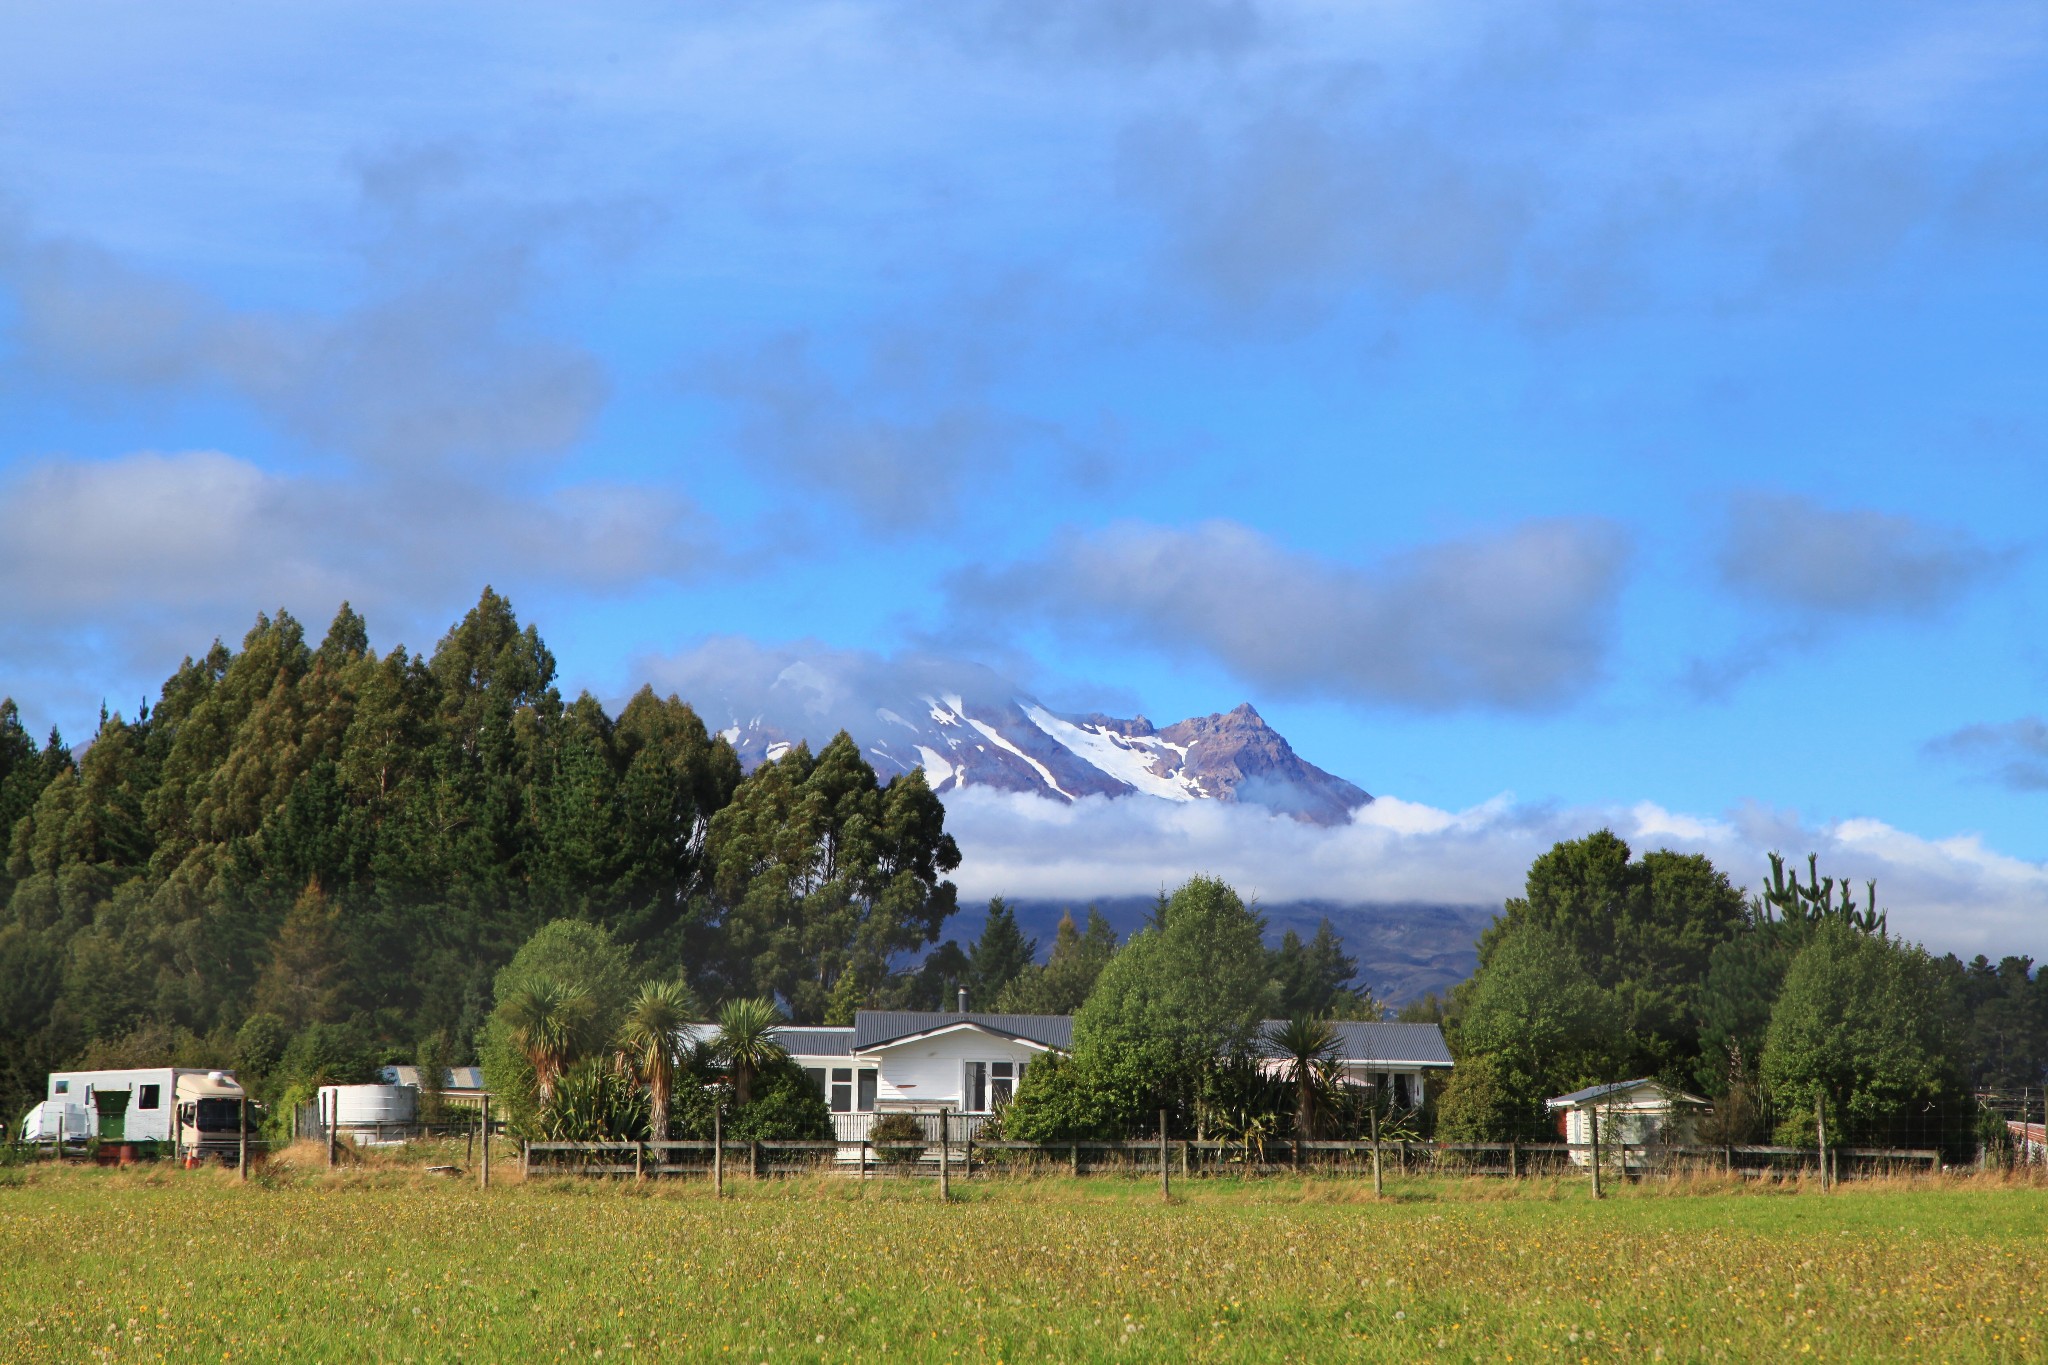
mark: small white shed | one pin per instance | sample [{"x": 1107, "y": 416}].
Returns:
[{"x": 1642, "y": 1112}]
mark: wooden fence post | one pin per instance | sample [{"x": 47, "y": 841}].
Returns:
[
  {"x": 640, "y": 1162},
  {"x": 1820, "y": 1133},
  {"x": 754, "y": 1159},
  {"x": 1165, "y": 1185},
  {"x": 863, "y": 1158},
  {"x": 525, "y": 1159},
  {"x": 945, "y": 1165},
  {"x": 1593, "y": 1139},
  {"x": 1515, "y": 1160},
  {"x": 333, "y": 1115},
  {"x": 717, "y": 1152},
  {"x": 484, "y": 1145},
  {"x": 1074, "y": 1151},
  {"x": 242, "y": 1145}
]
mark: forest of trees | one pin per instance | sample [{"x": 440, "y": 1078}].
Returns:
[
  {"x": 306, "y": 858},
  {"x": 320, "y": 837}
]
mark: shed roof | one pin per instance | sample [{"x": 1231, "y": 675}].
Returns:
[
  {"x": 1618, "y": 1088},
  {"x": 879, "y": 1028},
  {"x": 457, "y": 1078}
]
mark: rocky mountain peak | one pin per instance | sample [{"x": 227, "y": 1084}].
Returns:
[{"x": 968, "y": 727}]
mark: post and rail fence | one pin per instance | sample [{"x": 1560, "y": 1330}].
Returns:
[{"x": 943, "y": 1153}]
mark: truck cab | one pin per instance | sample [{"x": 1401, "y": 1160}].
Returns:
[{"x": 210, "y": 1113}]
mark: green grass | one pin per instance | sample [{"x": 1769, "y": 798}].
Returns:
[{"x": 393, "y": 1265}]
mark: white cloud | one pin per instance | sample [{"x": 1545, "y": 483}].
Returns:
[
  {"x": 122, "y": 565},
  {"x": 1517, "y": 619},
  {"x": 1955, "y": 895}
]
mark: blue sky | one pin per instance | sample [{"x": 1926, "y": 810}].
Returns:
[{"x": 1590, "y": 403}]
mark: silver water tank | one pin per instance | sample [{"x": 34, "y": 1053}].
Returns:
[{"x": 369, "y": 1106}]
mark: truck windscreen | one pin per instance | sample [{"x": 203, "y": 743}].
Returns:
[{"x": 219, "y": 1116}]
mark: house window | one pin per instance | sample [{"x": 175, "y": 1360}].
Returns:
[
  {"x": 991, "y": 1085},
  {"x": 150, "y": 1097},
  {"x": 846, "y": 1089},
  {"x": 63, "y": 1087}
]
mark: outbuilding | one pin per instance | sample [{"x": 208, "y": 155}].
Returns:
[{"x": 1642, "y": 1112}]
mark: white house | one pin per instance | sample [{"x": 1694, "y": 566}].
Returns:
[
  {"x": 922, "y": 1061},
  {"x": 1637, "y": 1113},
  {"x": 1391, "y": 1058},
  {"x": 971, "y": 1064}
]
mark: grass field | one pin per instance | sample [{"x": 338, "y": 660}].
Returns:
[{"x": 393, "y": 1265}]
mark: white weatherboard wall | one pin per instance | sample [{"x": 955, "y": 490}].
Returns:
[{"x": 930, "y": 1072}]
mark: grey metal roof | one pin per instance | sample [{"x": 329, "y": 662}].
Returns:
[
  {"x": 816, "y": 1042},
  {"x": 875, "y": 1028},
  {"x": 1369, "y": 1043},
  {"x": 1596, "y": 1092}
]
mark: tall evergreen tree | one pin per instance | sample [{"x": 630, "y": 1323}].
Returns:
[
  {"x": 999, "y": 956},
  {"x": 1069, "y": 972}
]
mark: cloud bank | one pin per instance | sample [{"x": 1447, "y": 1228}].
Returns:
[
  {"x": 1954, "y": 895},
  {"x": 1798, "y": 555},
  {"x": 1518, "y": 620},
  {"x": 2013, "y": 753}
]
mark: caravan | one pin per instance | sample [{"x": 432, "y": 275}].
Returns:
[{"x": 192, "y": 1111}]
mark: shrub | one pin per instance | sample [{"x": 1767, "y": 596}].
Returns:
[
  {"x": 593, "y": 1103},
  {"x": 786, "y": 1107},
  {"x": 1481, "y": 1105},
  {"x": 1058, "y": 1099},
  {"x": 897, "y": 1137}
]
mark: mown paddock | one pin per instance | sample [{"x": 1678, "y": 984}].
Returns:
[{"x": 380, "y": 1262}]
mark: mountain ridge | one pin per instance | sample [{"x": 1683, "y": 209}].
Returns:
[{"x": 982, "y": 731}]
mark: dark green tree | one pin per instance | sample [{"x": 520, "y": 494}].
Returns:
[
  {"x": 1313, "y": 979},
  {"x": 998, "y": 957},
  {"x": 1068, "y": 975},
  {"x": 1643, "y": 929},
  {"x": 1172, "y": 1004},
  {"x": 823, "y": 874},
  {"x": 1545, "y": 1024},
  {"x": 1864, "y": 1024}
]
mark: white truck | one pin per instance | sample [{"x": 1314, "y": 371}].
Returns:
[{"x": 192, "y": 1111}]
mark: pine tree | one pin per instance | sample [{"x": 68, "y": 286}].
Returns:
[
  {"x": 306, "y": 979},
  {"x": 999, "y": 956}
]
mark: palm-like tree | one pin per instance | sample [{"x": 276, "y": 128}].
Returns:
[
  {"x": 547, "y": 1021},
  {"x": 746, "y": 1041},
  {"x": 1307, "y": 1047},
  {"x": 650, "y": 1044}
]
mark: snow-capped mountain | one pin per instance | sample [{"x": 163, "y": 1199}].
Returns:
[{"x": 968, "y": 727}]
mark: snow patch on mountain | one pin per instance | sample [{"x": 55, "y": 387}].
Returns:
[{"x": 968, "y": 727}]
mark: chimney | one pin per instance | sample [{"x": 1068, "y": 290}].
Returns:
[{"x": 963, "y": 1001}]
